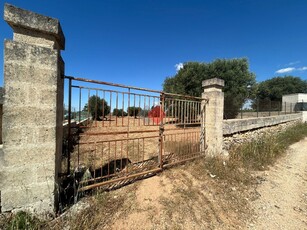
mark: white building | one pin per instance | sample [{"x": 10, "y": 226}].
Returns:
[{"x": 294, "y": 102}]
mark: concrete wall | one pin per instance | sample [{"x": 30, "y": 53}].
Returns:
[
  {"x": 304, "y": 114},
  {"x": 240, "y": 125},
  {"x": 33, "y": 112}
]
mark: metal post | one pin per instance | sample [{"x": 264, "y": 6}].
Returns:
[
  {"x": 202, "y": 131},
  {"x": 69, "y": 125},
  {"x": 80, "y": 105},
  {"x": 161, "y": 131},
  {"x": 257, "y": 107},
  {"x": 128, "y": 113}
]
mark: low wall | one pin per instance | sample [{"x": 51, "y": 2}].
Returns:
[
  {"x": 75, "y": 124},
  {"x": 304, "y": 113},
  {"x": 240, "y": 125}
]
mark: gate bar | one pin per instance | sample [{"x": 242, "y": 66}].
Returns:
[
  {"x": 118, "y": 179},
  {"x": 131, "y": 87}
]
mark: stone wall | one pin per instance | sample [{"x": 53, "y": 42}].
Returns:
[
  {"x": 251, "y": 135},
  {"x": 241, "y": 125},
  {"x": 32, "y": 112}
]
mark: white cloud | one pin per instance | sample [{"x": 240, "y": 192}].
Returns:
[
  {"x": 302, "y": 68},
  {"x": 285, "y": 70},
  {"x": 294, "y": 63},
  {"x": 179, "y": 66}
]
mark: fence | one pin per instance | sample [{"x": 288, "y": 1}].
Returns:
[
  {"x": 128, "y": 132},
  {"x": 264, "y": 108}
]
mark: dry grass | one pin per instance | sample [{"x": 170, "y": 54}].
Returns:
[{"x": 260, "y": 153}]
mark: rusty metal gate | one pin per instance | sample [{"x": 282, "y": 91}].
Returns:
[{"x": 118, "y": 133}]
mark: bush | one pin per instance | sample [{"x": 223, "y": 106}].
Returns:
[
  {"x": 134, "y": 111},
  {"x": 97, "y": 107},
  {"x": 119, "y": 113}
]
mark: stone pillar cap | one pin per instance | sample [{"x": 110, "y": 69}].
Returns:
[
  {"x": 20, "y": 18},
  {"x": 213, "y": 82}
]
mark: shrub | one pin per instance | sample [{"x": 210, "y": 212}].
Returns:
[{"x": 119, "y": 113}]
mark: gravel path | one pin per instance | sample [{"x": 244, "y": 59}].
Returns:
[{"x": 282, "y": 202}]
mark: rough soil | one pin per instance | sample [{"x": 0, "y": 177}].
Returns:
[
  {"x": 179, "y": 200},
  {"x": 185, "y": 197},
  {"x": 282, "y": 202}
]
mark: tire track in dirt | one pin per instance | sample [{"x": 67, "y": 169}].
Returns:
[{"x": 283, "y": 193}]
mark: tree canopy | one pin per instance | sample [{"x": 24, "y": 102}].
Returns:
[
  {"x": 134, "y": 111},
  {"x": 98, "y": 107},
  {"x": 119, "y": 113},
  {"x": 276, "y": 87},
  {"x": 239, "y": 81}
]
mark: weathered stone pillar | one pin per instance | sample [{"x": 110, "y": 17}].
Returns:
[
  {"x": 33, "y": 112},
  {"x": 214, "y": 110}
]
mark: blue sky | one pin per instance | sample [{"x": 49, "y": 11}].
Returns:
[{"x": 139, "y": 42}]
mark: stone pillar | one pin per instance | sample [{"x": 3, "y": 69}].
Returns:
[
  {"x": 1, "y": 112},
  {"x": 214, "y": 109},
  {"x": 33, "y": 112}
]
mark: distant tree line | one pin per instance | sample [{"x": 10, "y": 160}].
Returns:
[
  {"x": 99, "y": 109},
  {"x": 240, "y": 84}
]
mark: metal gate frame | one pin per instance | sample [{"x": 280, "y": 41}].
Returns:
[{"x": 177, "y": 120}]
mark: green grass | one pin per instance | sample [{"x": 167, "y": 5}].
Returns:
[{"x": 24, "y": 220}]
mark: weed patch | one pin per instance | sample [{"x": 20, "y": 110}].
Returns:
[
  {"x": 23, "y": 220},
  {"x": 260, "y": 153}
]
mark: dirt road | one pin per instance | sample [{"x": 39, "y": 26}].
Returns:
[{"x": 282, "y": 202}]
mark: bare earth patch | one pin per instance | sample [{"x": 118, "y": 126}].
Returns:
[
  {"x": 282, "y": 202},
  {"x": 185, "y": 197}
]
